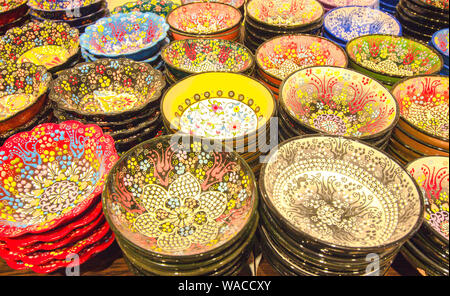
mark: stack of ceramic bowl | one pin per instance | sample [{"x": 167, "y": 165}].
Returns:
[
  {"x": 13, "y": 13},
  {"x": 53, "y": 45},
  {"x": 23, "y": 98},
  {"x": 205, "y": 20},
  {"x": 51, "y": 213},
  {"x": 193, "y": 56},
  {"x": 439, "y": 41},
  {"x": 119, "y": 95},
  {"x": 239, "y": 4},
  {"x": 267, "y": 19},
  {"x": 332, "y": 4},
  {"x": 423, "y": 128},
  {"x": 336, "y": 101},
  {"x": 427, "y": 250},
  {"x": 388, "y": 6},
  {"x": 181, "y": 207},
  {"x": 421, "y": 18},
  {"x": 345, "y": 23},
  {"x": 389, "y": 58},
  {"x": 277, "y": 58},
  {"x": 136, "y": 35},
  {"x": 335, "y": 206},
  {"x": 161, "y": 8},
  {"x": 77, "y": 13}
]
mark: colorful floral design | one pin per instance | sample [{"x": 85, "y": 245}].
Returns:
[
  {"x": 235, "y": 3},
  {"x": 443, "y": 4},
  {"x": 59, "y": 4},
  {"x": 440, "y": 41},
  {"x": 162, "y": 8},
  {"x": 6, "y": 5},
  {"x": 340, "y": 3}
]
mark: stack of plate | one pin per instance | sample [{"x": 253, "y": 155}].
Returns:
[
  {"x": 226, "y": 108},
  {"x": 136, "y": 35},
  {"x": 277, "y": 58},
  {"x": 51, "y": 210},
  {"x": 388, "y": 6},
  {"x": 421, "y": 18},
  {"x": 423, "y": 128},
  {"x": 161, "y": 8},
  {"x": 267, "y": 19},
  {"x": 389, "y": 58},
  {"x": 440, "y": 42},
  {"x": 193, "y": 56},
  {"x": 180, "y": 207},
  {"x": 53, "y": 45},
  {"x": 345, "y": 23},
  {"x": 239, "y": 4},
  {"x": 336, "y": 101},
  {"x": 332, "y": 4},
  {"x": 205, "y": 20},
  {"x": 13, "y": 13},
  {"x": 335, "y": 206},
  {"x": 78, "y": 13},
  {"x": 119, "y": 95},
  {"x": 23, "y": 98},
  {"x": 427, "y": 250}
]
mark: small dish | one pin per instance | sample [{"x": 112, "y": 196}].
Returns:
[{"x": 161, "y": 8}]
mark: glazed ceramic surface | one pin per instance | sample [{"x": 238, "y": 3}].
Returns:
[
  {"x": 45, "y": 43},
  {"x": 440, "y": 41},
  {"x": 441, "y": 4},
  {"x": 341, "y": 192},
  {"x": 204, "y": 18},
  {"x": 339, "y": 101},
  {"x": 50, "y": 174},
  {"x": 161, "y": 8},
  {"x": 423, "y": 102},
  {"x": 284, "y": 55},
  {"x": 107, "y": 86},
  {"x": 346, "y": 23},
  {"x": 7, "y": 5},
  {"x": 432, "y": 175},
  {"x": 174, "y": 198},
  {"x": 58, "y": 4},
  {"x": 124, "y": 33},
  {"x": 341, "y": 3}
]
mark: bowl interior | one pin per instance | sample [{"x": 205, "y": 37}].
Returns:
[
  {"x": 203, "y": 105},
  {"x": 107, "y": 86},
  {"x": 7, "y": 5},
  {"x": 423, "y": 103},
  {"x": 440, "y": 41},
  {"x": 341, "y": 192},
  {"x": 204, "y": 18},
  {"x": 432, "y": 175},
  {"x": 59, "y": 4},
  {"x": 284, "y": 55},
  {"x": 285, "y": 13},
  {"x": 393, "y": 56},
  {"x": 207, "y": 55},
  {"x": 339, "y": 101},
  {"x": 175, "y": 197}
]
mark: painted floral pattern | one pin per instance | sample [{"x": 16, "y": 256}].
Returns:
[
  {"x": 59, "y": 4},
  {"x": 6, "y": 5},
  {"x": 161, "y": 8},
  {"x": 443, "y": 4},
  {"x": 440, "y": 41},
  {"x": 235, "y": 3},
  {"x": 340, "y": 3}
]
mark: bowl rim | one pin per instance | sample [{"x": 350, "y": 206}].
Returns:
[
  {"x": 367, "y": 137},
  {"x": 54, "y": 97},
  {"x": 218, "y": 32},
  {"x": 17, "y": 6},
  {"x": 429, "y": 6},
  {"x": 136, "y": 4},
  {"x": 103, "y": 9},
  {"x": 258, "y": 50},
  {"x": 267, "y": 201},
  {"x": 253, "y": 211},
  {"x": 408, "y": 16},
  {"x": 33, "y": 7},
  {"x": 324, "y": 2},
  {"x": 347, "y": 49},
  {"x": 434, "y": 43},
  {"x": 192, "y": 1},
  {"x": 310, "y": 28},
  {"x": 229, "y": 42}
]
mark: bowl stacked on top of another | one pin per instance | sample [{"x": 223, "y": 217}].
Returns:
[
  {"x": 13, "y": 13},
  {"x": 439, "y": 41}
]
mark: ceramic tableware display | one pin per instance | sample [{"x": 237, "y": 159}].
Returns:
[
  {"x": 332, "y": 4},
  {"x": 423, "y": 127},
  {"x": 427, "y": 250},
  {"x": 161, "y": 8},
  {"x": 439, "y": 41},
  {"x": 13, "y": 13},
  {"x": 180, "y": 207},
  {"x": 329, "y": 205},
  {"x": 53, "y": 177},
  {"x": 239, "y": 4}
]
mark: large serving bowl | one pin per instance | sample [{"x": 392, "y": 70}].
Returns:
[
  {"x": 283, "y": 55},
  {"x": 439, "y": 40},
  {"x": 161, "y": 8},
  {"x": 389, "y": 58},
  {"x": 133, "y": 35},
  {"x": 339, "y": 101},
  {"x": 107, "y": 88},
  {"x": 342, "y": 194},
  {"x": 11, "y": 10},
  {"x": 51, "y": 174},
  {"x": 192, "y": 56},
  {"x": 64, "y": 9},
  {"x": 175, "y": 198}
]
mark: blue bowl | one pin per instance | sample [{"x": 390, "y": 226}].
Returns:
[
  {"x": 388, "y": 6},
  {"x": 389, "y": 2},
  {"x": 441, "y": 36}
]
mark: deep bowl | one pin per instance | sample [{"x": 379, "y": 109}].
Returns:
[
  {"x": 38, "y": 166},
  {"x": 11, "y": 10},
  {"x": 64, "y": 9},
  {"x": 439, "y": 40},
  {"x": 339, "y": 101},
  {"x": 161, "y": 8}
]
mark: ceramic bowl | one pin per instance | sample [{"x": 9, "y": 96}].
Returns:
[
  {"x": 193, "y": 56},
  {"x": 281, "y": 56},
  {"x": 346, "y": 23},
  {"x": 357, "y": 106},
  {"x": 45, "y": 43},
  {"x": 417, "y": 22},
  {"x": 410, "y": 33},
  {"x": 11, "y": 10},
  {"x": 107, "y": 88},
  {"x": 389, "y": 58},
  {"x": 16, "y": 23},
  {"x": 161, "y": 8},
  {"x": 424, "y": 11},
  {"x": 439, "y": 40},
  {"x": 437, "y": 5},
  {"x": 239, "y": 4},
  {"x": 132, "y": 35},
  {"x": 417, "y": 145},
  {"x": 195, "y": 202},
  {"x": 343, "y": 3},
  {"x": 311, "y": 179},
  {"x": 64, "y": 9},
  {"x": 69, "y": 157}
]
